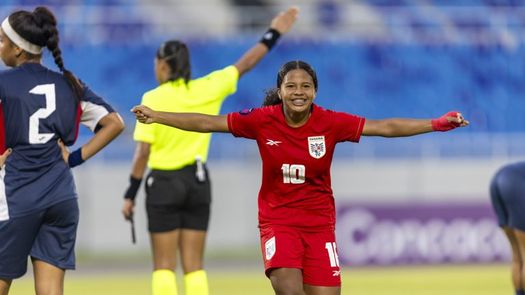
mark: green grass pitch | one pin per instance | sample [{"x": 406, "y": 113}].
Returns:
[{"x": 424, "y": 280}]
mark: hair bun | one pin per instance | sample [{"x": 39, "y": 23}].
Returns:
[
  {"x": 43, "y": 15},
  {"x": 169, "y": 48}
]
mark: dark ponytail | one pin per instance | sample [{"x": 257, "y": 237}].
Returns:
[
  {"x": 177, "y": 56},
  {"x": 40, "y": 28},
  {"x": 272, "y": 95}
]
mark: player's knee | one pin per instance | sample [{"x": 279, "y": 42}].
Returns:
[
  {"x": 49, "y": 289},
  {"x": 287, "y": 286}
]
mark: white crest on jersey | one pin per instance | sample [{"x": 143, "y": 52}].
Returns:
[
  {"x": 269, "y": 248},
  {"x": 316, "y": 146},
  {"x": 273, "y": 142}
]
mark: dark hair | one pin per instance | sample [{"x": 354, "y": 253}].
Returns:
[
  {"x": 272, "y": 96},
  {"x": 40, "y": 28},
  {"x": 177, "y": 55}
]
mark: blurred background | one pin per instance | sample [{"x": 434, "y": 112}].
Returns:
[{"x": 406, "y": 201}]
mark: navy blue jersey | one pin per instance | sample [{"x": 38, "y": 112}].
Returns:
[{"x": 38, "y": 107}]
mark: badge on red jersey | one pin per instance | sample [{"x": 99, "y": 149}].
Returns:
[
  {"x": 316, "y": 146},
  {"x": 269, "y": 248},
  {"x": 245, "y": 111}
]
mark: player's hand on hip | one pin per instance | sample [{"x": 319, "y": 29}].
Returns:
[
  {"x": 128, "y": 208},
  {"x": 143, "y": 114},
  {"x": 4, "y": 156},
  {"x": 64, "y": 150},
  {"x": 449, "y": 121},
  {"x": 284, "y": 21}
]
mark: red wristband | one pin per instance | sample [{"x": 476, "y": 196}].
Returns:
[{"x": 442, "y": 124}]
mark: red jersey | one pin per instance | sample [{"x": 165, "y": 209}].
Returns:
[{"x": 296, "y": 186}]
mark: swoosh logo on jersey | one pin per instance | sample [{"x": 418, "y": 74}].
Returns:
[{"x": 273, "y": 142}]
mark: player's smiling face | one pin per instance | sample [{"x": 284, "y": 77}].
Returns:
[{"x": 297, "y": 91}]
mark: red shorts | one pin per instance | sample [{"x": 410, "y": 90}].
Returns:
[{"x": 315, "y": 253}]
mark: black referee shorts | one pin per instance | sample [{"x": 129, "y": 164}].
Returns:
[{"x": 176, "y": 199}]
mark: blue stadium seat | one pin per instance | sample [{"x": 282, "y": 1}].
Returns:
[{"x": 373, "y": 80}]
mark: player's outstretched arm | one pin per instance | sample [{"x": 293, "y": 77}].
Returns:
[
  {"x": 408, "y": 127},
  {"x": 186, "y": 121},
  {"x": 281, "y": 24}
]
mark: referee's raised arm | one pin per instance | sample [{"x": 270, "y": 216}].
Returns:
[{"x": 280, "y": 25}]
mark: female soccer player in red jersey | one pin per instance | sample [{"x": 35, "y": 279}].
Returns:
[
  {"x": 40, "y": 111},
  {"x": 506, "y": 192},
  {"x": 296, "y": 140},
  {"x": 178, "y": 189}
]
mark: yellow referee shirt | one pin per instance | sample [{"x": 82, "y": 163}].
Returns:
[{"x": 172, "y": 148}]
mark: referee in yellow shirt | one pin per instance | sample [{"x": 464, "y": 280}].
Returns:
[{"x": 178, "y": 192}]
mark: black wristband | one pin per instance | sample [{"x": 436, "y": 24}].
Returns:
[
  {"x": 269, "y": 39},
  {"x": 75, "y": 158},
  {"x": 134, "y": 184}
]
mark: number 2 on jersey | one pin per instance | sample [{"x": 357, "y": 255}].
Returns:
[
  {"x": 294, "y": 173},
  {"x": 35, "y": 137}
]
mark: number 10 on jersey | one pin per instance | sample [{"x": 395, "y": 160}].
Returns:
[{"x": 293, "y": 173}]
